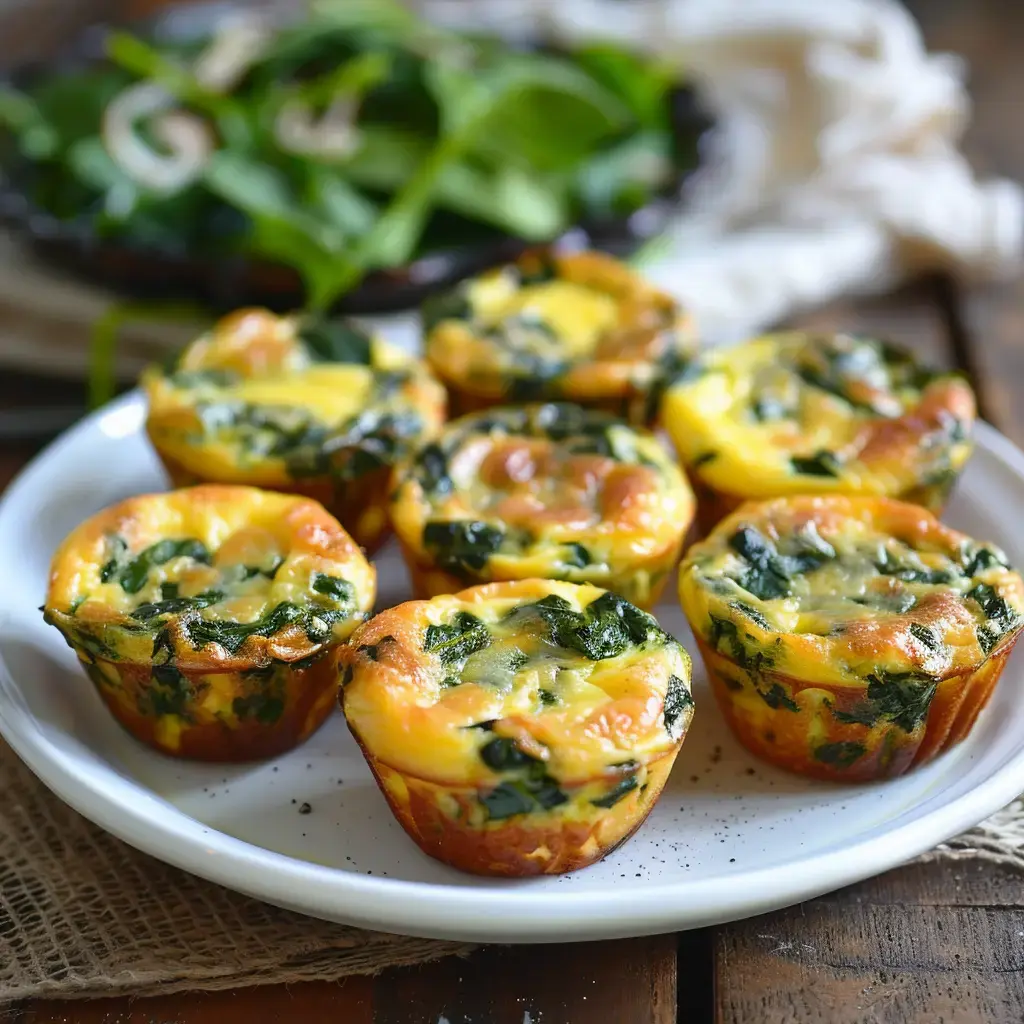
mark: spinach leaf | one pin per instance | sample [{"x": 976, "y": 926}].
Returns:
[
  {"x": 506, "y": 800},
  {"x": 821, "y": 463},
  {"x": 608, "y": 626},
  {"x": 902, "y": 697},
  {"x": 334, "y": 587},
  {"x": 767, "y": 577},
  {"x": 981, "y": 559},
  {"x": 888, "y": 564},
  {"x": 725, "y": 637},
  {"x": 109, "y": 568},
  {"x": 502, "y": 754},
  {"x": 168, "y": 694},
  {"x": 263, "y": 708},
  {"x": 173, "y": 605},
  {"x": 453, "y": 305},
  {"x": 677, "y": 702},
  {"x": 926, "y": 635},
  {"x": 462, "y": 545},
  {"x": 865, "y": 712},
  {"x": 751, "y": 613},
  {"x": 431, "y": 469},
  {"x": 575, "y": 556},
  {"x": 455, "y": 642},
  {"x": 840, "y": 755},
  {"x": 134, "y": 574},
  {"x": 776, "y": 697},
  {"x": 231, "y": 635},
  {"x": 1000, "y": 614},
  {"x": 336, "y": 341},
  {"x": 621, "y": 789}
]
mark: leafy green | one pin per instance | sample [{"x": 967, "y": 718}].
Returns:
[
  {"x": 455, "y": 642},
  {"x": 901, "y": 697},
  {"x": 462, "y": 545},
  {"x": 677, "y": 702},
  {"x": 449, "y": 134},
  {"x": 776, "y": 697},
  {"x": 609, "y": 626},
  {"x": 1001, "y": 615},
  {"x": 528, "y": 787},
  {"x": 821, "y": 463},
  {"x": 231, "y": 635},
  {"x": 840, "y": 755},
  {"x": 263, "y": 708},
  {"x": 133, "y": 575},
  {"x": 621, "y": 789},
  {"x": 576, "y": 556},
  {"x": 173, "y": 605},
  {"x": 333, "y": 586},
  {"x": 336, "y": 341}
]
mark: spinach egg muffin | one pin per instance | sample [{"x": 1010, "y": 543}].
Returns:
[
  {"x": 518, "y": 728},
  {"x": 581, "y": 327},
  {"x": 849, "y": 638},
  {"x": 211, "y": 619},
  {"x": 553, "y": 491},
  {"x": 297, "y": 405},
  {"x": 803, "y": 413}
]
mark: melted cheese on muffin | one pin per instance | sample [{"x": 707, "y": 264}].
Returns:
[
  {"x": 265, "y": 400},
  {"x": 209, "y": 577},
  {"x": 545, "y": 491},
  {"x": 850, "y": 591},
  {"x": 796, "y": 413},
  {"x": 521, "y": 689},
  {"x": 581, "y": 326}
]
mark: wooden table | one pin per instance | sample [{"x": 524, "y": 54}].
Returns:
[{"x": 927, "y": 943}]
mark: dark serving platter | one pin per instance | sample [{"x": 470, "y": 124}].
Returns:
[{"x": 222, "y": 283}]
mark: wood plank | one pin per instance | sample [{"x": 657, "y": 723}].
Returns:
[
  {"x": 625, "y": 982},
  {"x": 988, "y": 34},
  {"x": 347, "y": 1002},
  {"x": 926, "y": 943}
]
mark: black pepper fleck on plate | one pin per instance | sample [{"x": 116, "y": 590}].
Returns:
[{"x": 305, "y": 809}]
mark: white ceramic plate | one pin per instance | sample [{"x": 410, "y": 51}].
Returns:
[{"x": 730, "y": 837}]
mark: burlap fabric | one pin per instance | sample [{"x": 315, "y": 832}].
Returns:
[{"x": 82, "y": 914}]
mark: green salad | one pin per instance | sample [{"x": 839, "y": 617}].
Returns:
[{"x": 353, "y": 139}]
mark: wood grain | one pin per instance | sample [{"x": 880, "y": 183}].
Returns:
[
  {"x": 923, "y": 944},
  {"x": 989, "y": 36},
  {"x": 625, "y": 982}
]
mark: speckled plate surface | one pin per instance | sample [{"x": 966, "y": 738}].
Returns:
[{"x": 731, "y": 837}]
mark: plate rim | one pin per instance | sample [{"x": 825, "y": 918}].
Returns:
[{"x": 512, "y": 913}]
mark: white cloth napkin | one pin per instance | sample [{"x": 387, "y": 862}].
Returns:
[{"x": 835, "y": 168}]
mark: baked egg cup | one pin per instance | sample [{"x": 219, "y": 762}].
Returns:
[
  {"x": 579, "y": 327},
  {"x": 293, "y": 404},
  {"x": 849, "y": 638},
  {"x": 803, "y": 413},
  {"x": 212, "y": 619},
  {"x": 518, "y": 728},
  {"x": 554, "y": 491}
]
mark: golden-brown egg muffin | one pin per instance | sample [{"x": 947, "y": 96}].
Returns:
[
  {"x": 581, "y": 328},
  {"x": 211, "y": 619},
  {"x": 518, "y": 728},
  {"x": 553, "y": 491},
  {"x": 849, "y": 638},
  {"x": 802, "y": 413},
  {"x": 308, "y": 407}
]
